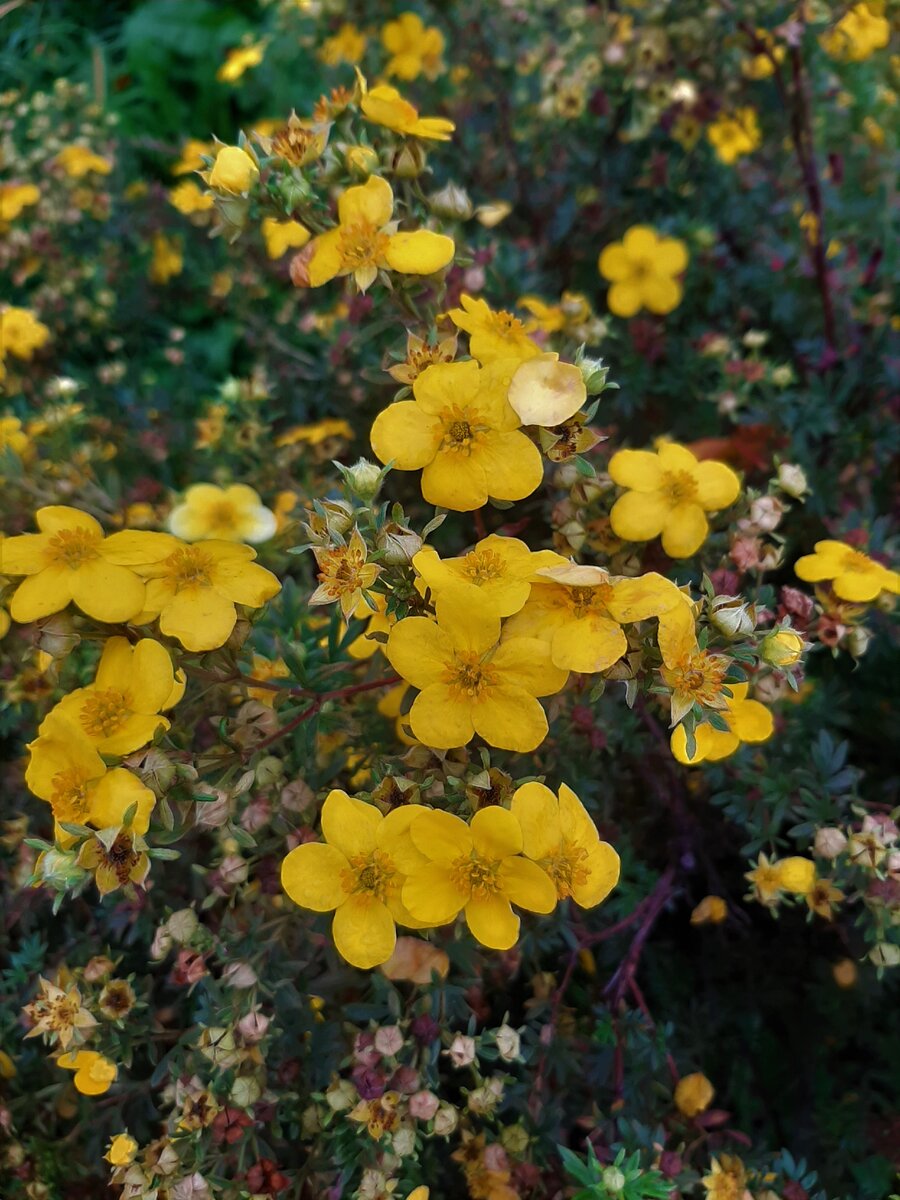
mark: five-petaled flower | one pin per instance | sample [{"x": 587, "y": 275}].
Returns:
[
  {"x": 462, "y": 431},
  {"x": 853, "y": 575},
  {"x": 477, "y": 868},
  {"x": 643, "y": 270},
  {"x": 670, "y": 492},
  {"x": 495, "y": 576},
  {"x": 747, "y": 721},
  {"x": 344, "y": 574},
  {"x": 94, "y": 1073},
  {"x": 415, "y": 48},
  {"x": 494, "y": 335},
  {"x": 232, "y": 514},
  {"x": 732, "y": 135},
  {"x": 366, "y": 241}
]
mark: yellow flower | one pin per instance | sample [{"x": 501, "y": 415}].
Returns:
[
  {"x": 21, "y": 333},
  {"x": 345, "y": 575},
  {"x": 58, "y": 1014},
  {"x": 461, "y": 429},
  {"x": 478, "y": 869},
  {"x": 357, "y": 873},
  {"x": 115, "y": 859},
  {"x": 767, "y": 880},
  {"x": 712, "y": 910},
  {"x": 735, "y": 134},
  {"x": 240, "y": 60},
  {"x": 78, "y": 161},
  {"x": 94, "y": 1074},
  {"x": 693, "y": 1094},
  {"x": 5, "y": 622},
  {"x": 281, "y": 236},
  {"x": 364, "y": 241},
  {"x": 420, "y": 355},
  {"x": 16, "y": 196},
  {"x": 642, "y": 269},
  {"x": 695, "y": 676},
  {"x": 232, "y": 514},
  {"x": 65, "y": 770},
  {"x": 414, "y": 49},
  {"x": 492, "y": 335},
  {"x": 761, "y": 65},
  {"x": 348, "y": 45},
  {"x": 122, "y": 1150},
  {"x": 578, "y": 612},
  {"x": 297, "y": 142},
  {"x": 189, "y": 198},
  {"x": 12, "y": 437},
  {"x": 191, "y": 159},
  {"x": 234, "y": 172},
  {"x": 728, "y": 1180},
  {"x": 71, "y": 560},
  {"x": 796, "y": 874},
  {"x": 471, "y": 683},
  {"x": 119, "y": 711},
  {"x": 194, "y": 591},
  {"x": 544, "y": 391},
  {"x": 857, "y": 35},
  {"x": 383, "y": 105},
  {"x": 853, "y": 575},
  {"x": 316, "y": 434},
  {"x": 495, "y": 577},
  {"x": 167, "y": 261},
  {"x": 670, "y": 493},
  {"x": 265, "y": 669},
  {"x": 747, "y": 721},
  {"x": 559, "y": 835},
  {"x": 782, "y": 648},
  {"x": 548, "y": 318}
]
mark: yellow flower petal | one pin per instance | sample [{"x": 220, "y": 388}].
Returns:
[
  {"x": 590, "y": 644},
  {"x": 684, "y": 531},
  {"x": 639, "y": 516},
  {"x": 603, "y": 868},
  {"x": 312, "y": 875},
  {"x": 438, "y": 719},
  {"x": 107, "y": 592},
  {"x": 420, "y": 252},
  {"x": 545, "y": 391},
  {"x": 492, "y": 922},
  {"x": 112, "y": 797},
  {"x": 431, "y": 896},
  {"x": 42, "y": 594},
  {"x": 750, "y": 720},
  {"x": 637, "y": 469},
  {"x": 495, "y": 832},
  {"x": 372, "y": 202},
  {"x": 441, "y": 836},
  {"x": 537, "y": 810},
  {"x": 509, "y": 718},
  {"x": 350, "y": 824},
  {"x": 199, "y": 618},
  {"x": 717, "y": 485},
  {"x": 419, "y": 650},
  {"x": 364, "y": 931},
  {"x": 405, "y": 434},
  {"x": 527, "y": 885}
]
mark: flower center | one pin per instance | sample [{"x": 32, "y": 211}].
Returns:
[
  {"x": 222, "y": 516},
  {"x": 469, "y": 676},
  {"x": 567, "y": 868},
  {"x": 679, "y": 486},
  {"x": 73, "y": 547},
  {"x": 476, "y": 875},
  {"x": 506, "y": 324},
  {"x": 700, "y": 676},
  {"x": 105, "y": 712},
  {"x": 462, "y": 432},
  {"x": 854, "y": 560},
  {"x": 370, "y": 874},
  {"x": 69, "y": 800},
  {"x": 483, "y": 566},
  {"x": 583, "y": 599},
  {"x": 190, "y": 567},
  {"x": 362, "y": 245}
]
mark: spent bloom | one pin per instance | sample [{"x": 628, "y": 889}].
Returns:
[
  {"x": 345, "y": 575},
  {"x": 478, "y": 869},
  {"x": 643, "y": 270},
  {"x": 669, "y": 493},
  {"x": 853, "y": 575},
  {"x": 232, "y": 514},
  {"x": 58, "y": 1014}
]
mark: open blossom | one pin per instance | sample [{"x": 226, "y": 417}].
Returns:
[
  {"x": 78, "y": 161},
  {"x": 472, "y": 683},
  {"x": 669, "y": 493},
  {"x": 239, "y": 61},
  {"x": 559, "y": 835},
  {"x": 493, "y": 335},
  {"x": 476, "y": 868},
  {"x": 643, "y": 270},
  {"x": 366, "y": 241},
  {"x": 233, "y": 514},
  {"x": 853, "y": 575},
  {"x": 746, "y": 720},
  {"x": 383, "y": 105},
  {"x": 21, "y": 333},
  {"x": 94, "y": 1074},
  {"x": 348, "y": 45},
  {"x": 345, "y": 575},
  {"x": 496, "y": 575},
  {"x": 415, "y": 48},
  {"x": 14, "y": 197},
  {"x": 857, "y": 35},
  {"x": 460, "y": 430},
  {"x": 58, "y": 1014},
  {"x": 357, "y": 873},
  {"x": 734, "y": 134}
]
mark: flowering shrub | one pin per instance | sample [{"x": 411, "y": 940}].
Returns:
[{"x": 532, "y": 835}]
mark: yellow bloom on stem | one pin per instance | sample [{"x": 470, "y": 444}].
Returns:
[
  {"x": 239, "y": 61},
  {"x": 94, "y": 1074},
  {"x": 642, "y": 269},
  {"x": 471, "y": 683},
  {"x": 693, "y": 1094},
  {"x": 345, "y": 575},
  {"x": 281, "y": 236},
  {"x": 493, "y": 336},
  {"x": 115, "y": 858},
  {"x": 194, "y": 589},
  {"x": 21, "y": 333},
  {"x": 414, "y": 48},
  {"x": 747, "y": 721},
  {"x": 78, "y": 161},
  {"x": 794, "y": 874},
  {"x": 495, "y": 577},
  {"x": 189, "y": 198},
  {"x": 728, "y": 1179},
  {"x": 712, "y": 910},
  {"x": 71, "y": 560},
  {"x": 122, "y": 1150},
  {"x": 853, "y": 575},
  {"x": 579, "y": 612},
  {"x": 357, "y": 873},
  {"x": 559, "y": 835},
  {"x": 383, "y": 105},
  {"x": 120, "y": 711},
  {"x": 365, "y": 242},
  {"x": 14, "y": 197},
  {"x": 695, "y": 676},
  {"x": 191, "y": 159},
  {"x": 348, "y": 45},
  {"x": 66, "y": 770},
  {"x": 735, "y": 134},
  {"x": 461, "y": 430},
  {"x": 420, "y": 355},
  {"x": 12, "y": 437},
  {"x": 548, "y": 318},
  {"x": 857, "y": 35},
  {"x": 478, "y": 869},
  {"x": 234, "y": 172},
  {"x": 670, "y": 493},
  {"x": 232, "y": 514},
  {"x": 544, "y": 391},
  {"x": 265, "y": 669},
  {"x": 316, "y": 434},
  {"x": 761, "y": 65},
  {"x": 378, "y": 621},
  {"x": 297, "y": 141},
  {"x": 167, "y": 261}
]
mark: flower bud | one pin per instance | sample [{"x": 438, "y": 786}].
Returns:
[
  {"x": 182, "y": 925},
  {"x": 830, "y": 842},
  {"x": 389, "y": 1041},
  {"x": 732, "y": 616},
  {"x": 694, "y": 1094},
  {"x": 514, "y": 1139},
  {"x": 613, "y": 1180},
  {"x": 162, "y": 943},
  {"x": 361, "y": 160},
  {"x": 233, "y": 172},
  {"x": 59, "y": 870},
  {"x": 446, "y": 1120},
  {"x": 782, "y": 648},
  {"x": 399, "y": 544},
  {"x": 508, "y": 1043},
  {"x": 409, "y": 161},
  {"x": 593, "y": 372},
  {"x": 796, "y": 874},
  {"x": 239, "y": 975},
  {"x": 295, "y": 192},
  {"x": 885, "y": 954},
  {"x": 269, "y": 770},
  {"x": 845, "y": 973},
  {"x": 858, "y": 640},
  {"x": 364, "y": 479},
  {"x": 711, "y": 910},
  {"x": 452, "y": 203},
  {"x": 792, "y": 479},
  {"x": 462, "y": 1051},
  {"x": 252, "y": 1027},
  {"x": 423, "y": 1105}
]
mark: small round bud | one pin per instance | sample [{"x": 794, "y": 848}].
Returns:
[
  {"x": 830, "y": 842},
  {"x": 364, "y": 479},
  {"x": 399, "y": 544},
  {"x": 362, "y": 160},
  {"x": 732, "y": 616},
  {"x": 694, "y": 1094},
  {"x": 845, "y": 973},
  {"x": 792, "y": 479},
  {"x": 452, "y": 203},
  {"x": 782, "y": 648}
]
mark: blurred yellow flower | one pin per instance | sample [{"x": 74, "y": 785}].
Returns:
[
  {"x": 78, "y": 161},
  {"x": 191, "y": 159},
  {"x": 414, "y": 48},
  {"x": 853, "y": 575},
  {"x": 14, "y": 197},
  {"x": 167, "y": 261},
  {"x": 383, "y": 105},
  {"x": 857, "y": 35},
  {"x": 693, "y": 1094},
  {"x": 21, "y": 333},
  {"x": 348, "y": 45},
  {"x": 734, "y": 134},
  {"x": 493, "y": 336},
  {"x": 189, "y": 198},
  {"x": 232, "y": 514},
  {"x": 239, "y": 61},
  {"x": 642, "y": 269},
  {"x": 281, "y": 236}
]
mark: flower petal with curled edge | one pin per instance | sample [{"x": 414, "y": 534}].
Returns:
[{"x": 545, "y": 391}]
